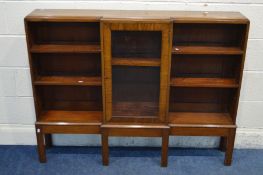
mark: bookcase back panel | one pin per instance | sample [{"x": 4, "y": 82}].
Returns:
[
  {"x": 208, "y": 34},
  {"x": 75, "y": 98},
  {"x": 206, "y": 66},
  {"x": 65, "y": 32},
  {"x": 130, "y": 44},
  {"x": 201, "y": 99},
  {"x": 56, "y": 64},
  {"x": 135, "y": 91}
]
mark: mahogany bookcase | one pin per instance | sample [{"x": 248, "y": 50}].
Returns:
[{"x": 136, "y": 73}]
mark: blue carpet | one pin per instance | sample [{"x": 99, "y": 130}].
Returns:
[{"x": 23, "y": 160}]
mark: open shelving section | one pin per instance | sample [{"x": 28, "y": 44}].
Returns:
[
  {"x": 65, "y": 56},
  {"x": 206, "y": 59},
  {"x": 65, "y": 61},
  {"x": 206, "y": 73}
]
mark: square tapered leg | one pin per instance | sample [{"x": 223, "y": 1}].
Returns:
[
  {"x": 230, "y": 147},
  {"x": 105, "y": 147},
  {"x": 165, "y": 143},
  {"x": 41, "y": 145}
]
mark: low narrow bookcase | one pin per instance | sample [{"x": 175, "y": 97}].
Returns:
[{"x": 136, "y": 73}]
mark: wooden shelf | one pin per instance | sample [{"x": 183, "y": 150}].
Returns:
[
  {"x": 68, "y": 80},
  {"x": 135, "y": 109},
  {"x": 56, "y": 117},
  {"x": 207, "y": 50},
  {"x": 204, "y": 82},
  {"x": 63, "y": 48},
  {"x": 190, "y": 119},
  {"x": 136, "y": 61},
  {"x": 135, "y": 126}
]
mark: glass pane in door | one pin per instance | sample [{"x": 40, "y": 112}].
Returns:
[
  {"x": 135, "y": 91},
  {"x": 136, "y": 58}
]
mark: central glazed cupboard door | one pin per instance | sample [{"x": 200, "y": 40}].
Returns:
[{"x": 136, "y": 70}]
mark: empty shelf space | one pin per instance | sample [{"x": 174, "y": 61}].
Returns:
[
  {"x": 64, "y": 48},
  {"x": 68, "y": 80},
  {"x": 70, "y": 117},
  {"x": 204, "y": 82},
  {"x": 207, "y": 50},
  {"x": 136, "y": 61},
  {"x": 189, "y": 119}
]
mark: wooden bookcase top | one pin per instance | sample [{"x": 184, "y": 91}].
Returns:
[{"x": 97, "y": 15}]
